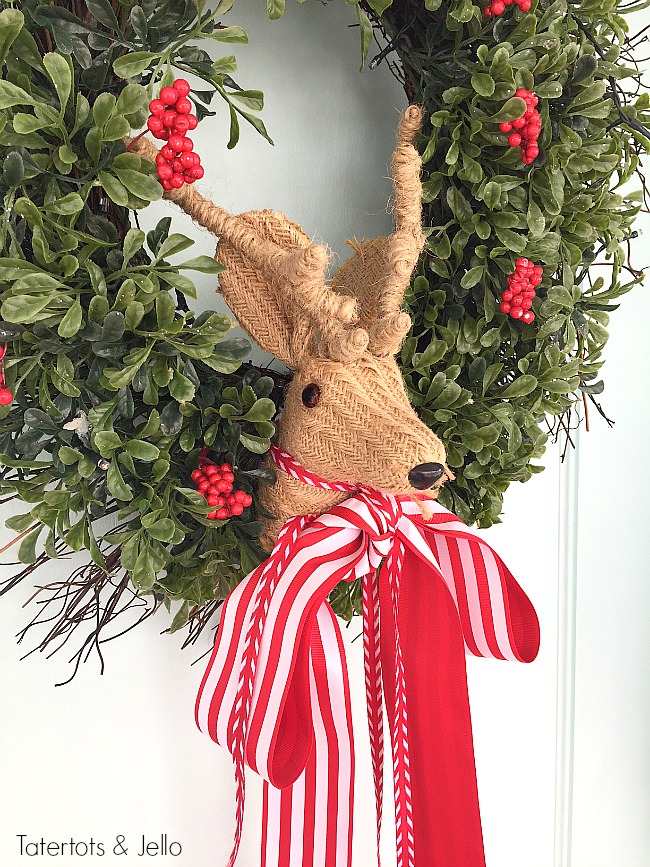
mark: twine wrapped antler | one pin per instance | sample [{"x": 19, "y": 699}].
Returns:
[
  {"x": 379, "y": 272},
  {"x": 277, "y": 286}
]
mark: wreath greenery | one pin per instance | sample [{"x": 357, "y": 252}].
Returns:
[{"x": 118, "y": 385}]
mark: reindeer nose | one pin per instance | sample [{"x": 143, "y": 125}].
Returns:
[{"x": 425, "y": 475}]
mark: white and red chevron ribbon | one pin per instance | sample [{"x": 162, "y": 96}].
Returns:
[{"x": 276, "y": 690}]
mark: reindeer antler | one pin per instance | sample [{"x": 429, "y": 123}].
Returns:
[
  {"x": 277, "y": 286},
  {"x": 379, "y": 273}
]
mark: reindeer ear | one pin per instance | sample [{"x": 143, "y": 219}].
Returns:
[{"x": 260, "y": 303}]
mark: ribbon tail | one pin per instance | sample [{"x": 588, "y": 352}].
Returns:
[
  {"x": 309, "y": 824},
  {"x": 446, "y": 819}
]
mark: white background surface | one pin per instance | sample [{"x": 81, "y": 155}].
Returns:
[{"x": 119, "y": 754}]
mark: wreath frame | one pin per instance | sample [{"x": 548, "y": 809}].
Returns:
[{"x": 122, "y": 427}]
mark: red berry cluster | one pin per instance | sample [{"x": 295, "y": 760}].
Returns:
[
  {"x": 216, "y": 483},
  {"x": 498, "y": 7},
  {"x": 6, "y": 397},
  {"x": 525, "y": 130},
  {"x": 170, "y": 119},
  {"x": 517, "y": 299}
]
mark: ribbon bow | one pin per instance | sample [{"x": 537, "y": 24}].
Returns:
[{"x": 276, "y": 690}]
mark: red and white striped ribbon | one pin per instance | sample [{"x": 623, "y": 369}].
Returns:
[{"x": 276, "y": 692}]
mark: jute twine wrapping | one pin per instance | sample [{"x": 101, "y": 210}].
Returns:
[{"x": 341, "y": 336}]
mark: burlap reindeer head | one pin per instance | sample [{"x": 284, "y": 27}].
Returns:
[{"x": 346, "y": 416}]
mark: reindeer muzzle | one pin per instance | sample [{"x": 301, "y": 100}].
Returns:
[{"x": 425, "y": 475}]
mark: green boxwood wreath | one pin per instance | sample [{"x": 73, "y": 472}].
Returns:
[{"x": 118, "y": 384}]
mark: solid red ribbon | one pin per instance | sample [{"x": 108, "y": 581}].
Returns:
[{"x": 276, "y": 691}]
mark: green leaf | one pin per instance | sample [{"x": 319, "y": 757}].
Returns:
[
  {"x": 143, "y": 574},
  {"x": 116, "y": 484},
  {"x": 380, "y": 6},
  {"x": 180, "y": 618},
  {"x": 180, "y": 388},
  {"x": 27, "y": 547},
  {"x": 141, "y": 185},
  {"x": 71, "y": 322},
  {"x": 173, "y": 244},
  {"x": 230, "y": 34},
  {"x": 132, "y": 99},
  {"x": 275, "y": 9},
  {"x": 11, "y": 95},
  {"x": 142, "y": 451},
  {"x": 510, "y": 110},
  {"x": 102, "y": 11},
  {"x": 205, "y": 264},
  {"x": 366, "y": 34},
  {"x": 103, "y": 108},
  {"x": 114, "y": 189},
  {"x": 472, "y": 277},
  {"x": 60, "y": 71},
  {"x": 11, "y": 23},
  {"x": 257, "y": 445},
  {"x": 13, "y": 169},
  {"x": 522, "y": 386},
  {"x": 133, "y": 241},
  {"x": 483, "y": 83},
  {"x": 130, "y": 65},
  {"x": 162, "y": 530}
]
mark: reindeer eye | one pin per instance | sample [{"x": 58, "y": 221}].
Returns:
[{"x": 311, "y": 395}]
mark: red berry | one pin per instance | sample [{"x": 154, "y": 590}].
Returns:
[
  {"x": 526, "y": 303},
  {"x": 236, "y": 508},
  {"x": 507, "y": 295},
  {"x": 165, "y": 184},
  {"x": 247, "y": 500},
  {"x": 6, "y": 397},
  {"x": 169, "y": 117},
  {"x": 516, "y": 301},
  {"x": 528, "y": 317},
  {"x": 203, "y": 486},
  {"x": 196, "y": 475},
  {"x": 186, "y": 160},
  {"x": 213, "y": 500},
  {"x": 167, "y": 152},
  {"x": 514, "y": 139},
  {"x": 156, "y": 106},
  {"x": 154, "y": 124},
  {"x": 181, "y": 87},
  {"x": 211, "y": 515},
  {"x": 222, "y": 514},
  {"x": 160, "y": 160},
  {"x": 230, "y": 499},
  {"x": 162, "y": 134},
  {"x": 521, "y": 263},
  {"x": 229, "y": 477},
  {"x": 525, "y": 5},
  {"x": 519, "y": 123},
  {"x": 504, "y": 307},
  {"x": 488, "y": 11},
  {"x": 498, "y": 7},
  {"x": 506, "y": 126},
  {"x": 226, "y": 468},
  {"x": 212, "y": 470},
  {"x": 239, "y": 496},
  {"x": 539, "y": 271},
  {"x": 168, "y": 95},
  {"x": 187, "y": 144},
  {"x": 183, "y": 105},
  {"x": 224, "y": 487},
  {"x": 192, "y": 120},
  {"x": 181, "y": 124},
  {"x": 178, "y": 166},
  {"x": 165, "y": 172},
  {"x": 176, "y": 143},
  {"x": 197, "y": 171},
  {"x": 533, "y": 151},
  {"x": 176, "y": 181},
  {"x": 189, "y": 179},
  {"x": 516, "y": 312},
  {"x": 197, "y": 159}
]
